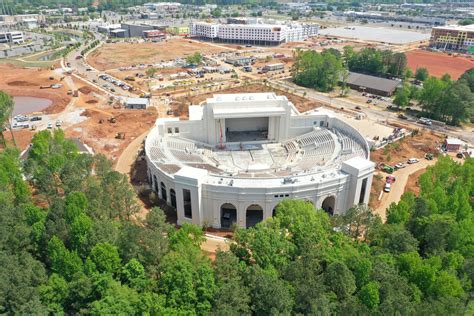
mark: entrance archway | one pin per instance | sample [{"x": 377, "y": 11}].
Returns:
[
  {"x": 163, "y": 191},
  {"x": 173, "y": 198},
  {"x": 328, "y": 205},
  {"x": 253, "y": 215},
  {"x": 228, "y": 215}
]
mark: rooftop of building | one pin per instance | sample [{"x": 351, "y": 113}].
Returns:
[{"x": 467, "y": 28}]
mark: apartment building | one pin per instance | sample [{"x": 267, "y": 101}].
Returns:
[
  {"x": 258, "y": 34},
  {"x": 453, "y": 37}
]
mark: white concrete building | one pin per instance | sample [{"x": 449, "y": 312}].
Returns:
[
  {"x": 239, "y": 155},
  {"x": 259, "y": 34},
  {"x": 13, "y": 37}
]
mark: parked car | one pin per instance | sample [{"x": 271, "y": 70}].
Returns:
[
  {"x": 387, "y": 187},
  {"x": 59, "y": 123},
  {"x": 36, "y": 118},
  {"x": 412, "y": 160},
  {"x": 402, "y": 116},
  {"x": 50, "y": 125},
  {"x": 400, "y": 165},
  {"x": 357, "y": 108},
  {"x": 390, "y": 179}
]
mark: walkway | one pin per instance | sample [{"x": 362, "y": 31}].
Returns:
[
  {"x": 129, "y": 155},
  {"x": 398, "y": 188}
]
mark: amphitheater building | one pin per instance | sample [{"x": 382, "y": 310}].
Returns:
[{"x": 239, "y": 155}]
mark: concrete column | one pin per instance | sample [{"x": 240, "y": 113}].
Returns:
[{"x": 241, "y": 215}]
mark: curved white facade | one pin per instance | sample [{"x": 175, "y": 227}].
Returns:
[{"x": 239, "y": 155}]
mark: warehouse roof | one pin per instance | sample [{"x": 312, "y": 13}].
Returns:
[{"x": 372, "y": 82}]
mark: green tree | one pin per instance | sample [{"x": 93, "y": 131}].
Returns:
[
  {"x": 402, "y": 96},
  {"x": 339, "y": 279},
  {"x": 105, "y": 257},
  {"x": 6, "y": 109},
  {"x": 369, "y": 295},
  {"x": 421, "y": 74}
]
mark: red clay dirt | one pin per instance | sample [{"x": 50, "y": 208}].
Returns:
[
  {"x": 439, "y": 64},
  {"x": 18, "y": 81}
]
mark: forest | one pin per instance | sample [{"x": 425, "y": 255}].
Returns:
[{"x": 72, "y": 242}]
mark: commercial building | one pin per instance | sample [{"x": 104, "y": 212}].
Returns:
[
  {"x": 137, "y": 103},
  {"x": 13, "y": 37},
  {"x": 135, "y": 30},
  {"x": 239, "y": 60},
  {"x": 239, "y": 155},
  {"x": 453, "y": 37},
  {"x": 372, "y": 84},
  {"x": 178, "y": 30},
  {"x": 255, "y": 33},
  {"x": 154, "y": 34}
]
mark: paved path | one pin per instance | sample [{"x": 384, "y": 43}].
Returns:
[
  {"x": 128, "y": 156},
  {"x": 398, "y": 188}
]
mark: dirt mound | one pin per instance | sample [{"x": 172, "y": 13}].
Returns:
[
  {"x": 87, "y": 113},
  {"x": 21, "y": 83},
  {"x": 85, "y": 90},
  {"x": 91, "y": 101}
]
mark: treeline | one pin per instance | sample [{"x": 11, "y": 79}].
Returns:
[
  {"x": 19, "y": 6},
  {"x": 375, "y": 61},
  {"x": 443, "y": 99},
  {"x": 71, "y": 241},
  {"x": 323, "y": 71}
]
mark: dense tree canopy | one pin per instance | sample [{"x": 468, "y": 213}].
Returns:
[{"x": 71, "y": 245}]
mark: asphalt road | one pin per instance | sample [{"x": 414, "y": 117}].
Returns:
[{"x": 375, "y": 112}]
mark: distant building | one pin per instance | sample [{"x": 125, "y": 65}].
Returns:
[
  {"x": 239, "y": 61},
  {"x": 118, "y": 33},
  {"x": 154, "y": 34},
  {"x": 13, "y": 37},
  {"x": 453, "y": 37},
  {"x": 137, "y": 103},
  {"x": 372, "y": 84},
  {"x": 178, "y": 30},
  {"x": 255, "y": 33},
  {"x": 106, "y": 29},
  {"x": 135, "y": 30}
]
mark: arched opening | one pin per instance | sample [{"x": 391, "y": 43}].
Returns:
[
  {"x": 228, "y": 215},
  {"x": 254, "y": 215},
  {"x": 329, "y": 204},
  {"x": 163, "y": 191},
  {"x": 173, "y": 198},
  {"x": 155, "y": 184}
]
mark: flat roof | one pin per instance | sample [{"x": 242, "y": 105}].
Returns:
[
  {"x": 143, "y": 101},
  {"x": 469, "y": 28},
  {"x": 453, "y": 141}
]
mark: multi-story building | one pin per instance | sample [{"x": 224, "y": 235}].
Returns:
[
  {"x": 258, "y": 34},
  {"x": 13, "y": 37},
  {"x": 453, "y": 37}
]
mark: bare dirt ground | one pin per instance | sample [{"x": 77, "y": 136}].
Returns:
[
  {"x": 115, "y": 55},
  {"x": 181, "y": 104},
  {"x": 410, "y": 147},
  {"x": 439, "y": 64},
  {"x": 18, "y": 81},
  {"x": 101, "y": 136}
]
